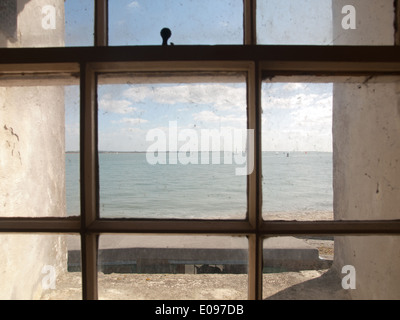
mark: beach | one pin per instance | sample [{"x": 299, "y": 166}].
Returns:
[
  {"x": 318, "y": 283},
  {"x": 304, "y": 285}
]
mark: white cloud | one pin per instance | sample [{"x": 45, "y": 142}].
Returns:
[
  {"x": 206, "y": 116},
  {"x": 294, "y": 101},
  {"x": 133, "y": 121},
  {"x": 134, "y": 4},
  {"x": 219, "y": 96},
  {"x": 297, "y": 116},
  {"x": 211, "y": 117},
  {"x": 116, "y": 106},
  {"x": 295, "y": 95},
  {"x": 294, "y": 86}
]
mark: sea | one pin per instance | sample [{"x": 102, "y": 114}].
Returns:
[{"x": 133, "y": 186}]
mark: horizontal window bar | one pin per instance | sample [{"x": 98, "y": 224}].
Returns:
[
  {"x": 171, "y": 226},
  {"x": 41, "y": 69},
  {"x": 331, "y": 227},
  {"x": 385, "y": 57},
  {"x": 233, "y": 227}
]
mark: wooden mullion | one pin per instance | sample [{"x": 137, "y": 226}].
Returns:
[
  {"x": 334, "y": 227},
  {"x": 254, "y": 183},
  {"x": 249, "y": 22},
  {"x": 255, "y": 267},
  {"x": 89, "y": 182},
  {"x": 101, "y": 23},
  {"x": 290, "y": 57}
]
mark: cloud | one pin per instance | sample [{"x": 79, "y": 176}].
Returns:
[
  {"x": 134, "y": 4},
  {"x": 206, "y": 116},
  {"x": 294, "y": 101},
  {"x": 297, "y": 116},
  {"x": 219, "y": 96},
  {"x": 115, "y": 106},
  {"x": 211, "y": 117},
  {"x": 133, "y": 121},
  {"x": 294, "y": 86},
  {"x": 295, "y": 95}
]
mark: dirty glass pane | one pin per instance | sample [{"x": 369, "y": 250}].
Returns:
[
  {"x": 172, "y": 268},
  {"x": 297, "y": 151},
  {"x": 46, "y": 23},
  {"x": 39, "y": 267},
  {"x": 325, "y": 22},
  {"x": 173, "y": 146},
  {"x": 79, "y": 23},
  {"x": 72, "y": 150},
  {"x": 39, "y": 177},
  {"x": 191, "y": 22},
  {"x": 331, "y": 268},
  {"x": 328, "y": 148}
]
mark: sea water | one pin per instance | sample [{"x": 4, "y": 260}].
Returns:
[{"x": 131, "y": 187}]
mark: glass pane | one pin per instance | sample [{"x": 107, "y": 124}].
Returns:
[
  {"x": 172, "y": 268},
  {"x": 173, "y": 149},
  {"x": 325, "y": 22},
  {"x": 79, "y": 23},
  {"x": 329, "y": 148},
  {"x": 331, "y": 268},
  {"x": 39, "y": 267},
  {"x": 46, "y": 23},
  {"x": 297, "y": 151},
  {"x": 191, "y": 22},
  {"x": 40, "y": 122},
  {"x": 72, "y": 150}
]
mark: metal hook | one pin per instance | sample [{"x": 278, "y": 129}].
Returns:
[{"x": 166, "y": 34}]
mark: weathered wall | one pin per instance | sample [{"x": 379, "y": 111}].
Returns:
[
  {"x": 27, "y": 29},
  {"x": 366, "y": 157},
  {"x": 32, "y": 161}
]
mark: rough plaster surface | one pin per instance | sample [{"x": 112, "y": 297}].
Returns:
[
  {"x": 29, "y": 27},
  {"x": 374, "y": 23},
  {"x": 32, "y": 158},
  {"x": 32, "y": 161},
  {"x": 31, "y": 183},
  {"x": 366, "y": 129}
]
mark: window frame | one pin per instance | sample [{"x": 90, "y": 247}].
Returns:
[{"x": 258, "y": 61}]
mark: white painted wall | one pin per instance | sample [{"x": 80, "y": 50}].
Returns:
[
  {"x": 366, "y": 130},
  {"x": 32, "y": 161}
]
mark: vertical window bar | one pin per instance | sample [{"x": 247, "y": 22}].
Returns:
[
  {"x": 397, "y": 22},
  {"x": 254, "y": 192},
  {"x": 249, "y": 25},
  {"x": 101, "y": 23},
  {"x": 253, "y": 158},
  {"x": 255, "y": 267},
  {"x": 89, "y": 247},
  {"x": 89, "y": 181}
]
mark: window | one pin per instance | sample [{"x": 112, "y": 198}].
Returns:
[
  {"x": 180, "y": 144},
  {"x": 326, "y": 22},
  {"x": 111, "y": 83},
  {"x": 190, "y": 22}
]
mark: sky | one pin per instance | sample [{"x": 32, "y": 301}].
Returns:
[{"x": 296, "y": 116}]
